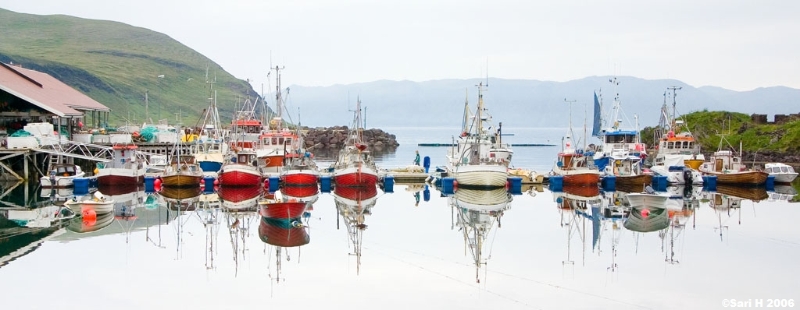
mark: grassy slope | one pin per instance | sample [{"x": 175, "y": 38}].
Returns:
[
  {"x": 708, "y": 127},
  {"x": 115, "y": 63}
]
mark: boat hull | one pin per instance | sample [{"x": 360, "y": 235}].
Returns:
[
  {"x": 239, "y": 175},
  {"x": 743, "y": 178},
  {"x": 283, "y": 210},
  {"x": 634, "y": 180},
  {"x": 120, "y": 176},
  {"x": 354, "y": 177},
  {"x": 181, "y": 180},
  {"x": 300, "y": 177},
  {"x": 489, "y": 176}
]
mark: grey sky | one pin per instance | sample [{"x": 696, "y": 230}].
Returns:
[{"x": 738, "y": 45}]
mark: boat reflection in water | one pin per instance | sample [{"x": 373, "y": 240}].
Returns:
[
  {"x": 727, "y": 200},
  {"x": 477, "y": 211},
  {"x": 783, "y": 192},
  {"x": 86, "y": 223},
  {"x": 23, "y": 230},
  {"x": 239, "y": 198},
  {"x": 573, "y": 204},
  {"x": 280, "y": 233},
  {"x": 354, "y": 204},
  {"x": 239, "y": 205},
  {"x": 181, "y": 198}
]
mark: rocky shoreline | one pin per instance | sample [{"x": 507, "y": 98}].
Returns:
[{"x": 322, "y": 138}]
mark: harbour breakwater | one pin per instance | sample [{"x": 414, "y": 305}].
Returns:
[{"x": 323, "y": 138}]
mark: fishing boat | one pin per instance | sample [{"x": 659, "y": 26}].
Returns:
[
  {"x": 97, "y": 203},
  {"x": 127, "y": 167},
  {"x": 575, "y": 165},
  {"x": 299, "y": 168},
  {"x": 678, "y": 155},
  {"x": 62, "y": 175},
  {"x": 727, "y": 166},
  {"x": 648, "y": 200},
  {"x": 276, "y": 141},
  {"x": 621, "y": 153},
  {"x": 783, "y": 173},
  {"x": 354, "y": 166},
  {"x": 477, "y": 212},
  {"x": 479, "y": 158},
  {"x": 182, "y": 172},
  {"x": 239, "y": 198},
  {"x": 209, "y": 149},
  {"x": 240, "y": 170}
]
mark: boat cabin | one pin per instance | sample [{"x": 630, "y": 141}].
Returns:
[
  {"x": 65, "y": 170},
  {"x": 777, "y": 169},
  {"x": 682, "y": 143}
]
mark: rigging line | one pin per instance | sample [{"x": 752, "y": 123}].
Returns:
[{"x": 457, "y": 280}]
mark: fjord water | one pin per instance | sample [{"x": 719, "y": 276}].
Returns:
[{"x": 414, "y": 255}]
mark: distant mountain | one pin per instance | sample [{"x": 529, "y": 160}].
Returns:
[
  {"x": 524, "y": 103},
  {"x": 115, "y": 64}
]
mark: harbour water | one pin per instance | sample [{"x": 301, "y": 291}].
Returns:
[{"x": 415, "y": 249}]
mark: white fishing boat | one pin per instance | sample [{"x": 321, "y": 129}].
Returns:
[
  {"x": 678, "y": 155},
  {"x": 62, "y": 175},
  {"x": 621, "y": 153},
  {"x": 128, "y": 167},
  {"x": 783, "y": 173},
  {"x": 479, "y": 158},
  {"x": 97, "y": 202}
]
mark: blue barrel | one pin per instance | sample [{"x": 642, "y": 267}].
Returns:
[
  {"x": 609, "y": 183},
  {"x": 274, "y": 183},
  {"x": 388, "y": 184},
  {"x": 426, "y": 162},
  {"x": 515, "y": 185},
  {"x": 710, "y": 183},
  {"x": 325, "y": 184},
  {"x": 556, "y": 183},
  {"x": 149, "y": 184},
  {"x": 770, "y": 185},
  {"x": 660, "y": 183},
  {"x": 209, "y": 184},
  {"x": 81, "y": 186},
  {"x": 426, "y": 194},
  {"x": 447, "y": 185}
]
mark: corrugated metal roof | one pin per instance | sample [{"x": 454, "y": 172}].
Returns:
[{"x": 46, "y": 92}]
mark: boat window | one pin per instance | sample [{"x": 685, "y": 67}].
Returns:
[
  {"x": 274, "y": 141},
  {"x": 280, "y": 141},
  {"x": 768, "y": 170},
  {"x": 670, "y": 145}
]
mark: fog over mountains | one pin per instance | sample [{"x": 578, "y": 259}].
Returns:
[{"x": 521, "y": 103}]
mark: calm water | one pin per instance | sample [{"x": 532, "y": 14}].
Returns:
[{"x": 531, "y": 252}]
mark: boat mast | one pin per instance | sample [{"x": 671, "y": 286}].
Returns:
[{"x": 278, "y": 99}]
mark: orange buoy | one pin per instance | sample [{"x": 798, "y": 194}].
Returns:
[
  {"x": 645, "y": 212},
  {"x": 88, "y": 214}
]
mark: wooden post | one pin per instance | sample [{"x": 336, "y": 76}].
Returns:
[{"x": 25, "y": 166}]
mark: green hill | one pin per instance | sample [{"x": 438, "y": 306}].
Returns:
[
  {"x": 115, "y": 64},
  {"x": 710, "y": 127}
]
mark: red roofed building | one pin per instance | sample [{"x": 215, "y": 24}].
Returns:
[{"x": 32, "y": 96}]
